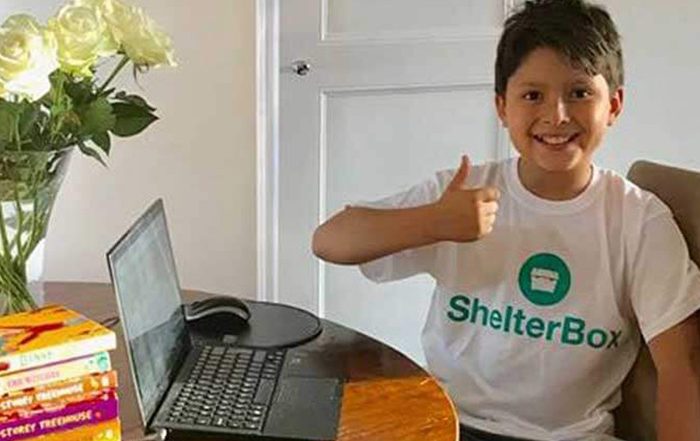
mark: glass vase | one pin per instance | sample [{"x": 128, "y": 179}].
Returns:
[{"x": 29, "y": 183}]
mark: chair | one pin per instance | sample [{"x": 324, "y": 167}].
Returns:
[{"x": 680, "y": 189}]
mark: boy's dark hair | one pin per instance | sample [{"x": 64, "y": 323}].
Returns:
[{"x": 584, "y": 33}]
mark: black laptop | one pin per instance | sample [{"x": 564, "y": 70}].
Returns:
[{"x": 187, "y": 390}]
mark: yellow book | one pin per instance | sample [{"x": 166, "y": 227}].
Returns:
[
  {"x": 92, "y": 364},
  {"x": 49, "y": 335}
]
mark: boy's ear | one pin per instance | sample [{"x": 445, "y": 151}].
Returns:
[
  {"x": 500, "y": 101},
  {"x": 616, "y": 100}
]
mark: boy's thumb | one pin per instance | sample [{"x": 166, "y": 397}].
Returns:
[{"x": 462, "y": 174}]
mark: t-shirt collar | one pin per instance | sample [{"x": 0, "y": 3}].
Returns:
[{"x": 534, "y": 202}]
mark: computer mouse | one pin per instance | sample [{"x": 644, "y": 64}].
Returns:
[{"x": 221, "y": 314}]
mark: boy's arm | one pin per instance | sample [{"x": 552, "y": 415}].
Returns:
[
  {"x": 359, "y": 234},
  {"x": 676, "y": 355}
]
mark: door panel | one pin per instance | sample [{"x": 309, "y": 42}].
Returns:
[
  {"x": 396, "y": 90},
  {"x": 371, "y": 17},
  {"x": 370, "y": 137},
  {"x": 377, "y": 144}
]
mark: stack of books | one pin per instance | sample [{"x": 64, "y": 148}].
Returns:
[{"x": 56, "y": 378}]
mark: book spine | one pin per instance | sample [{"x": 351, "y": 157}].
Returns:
[
  {"x": 56, "y": 393},
  {"x": 89, "y": 412},
  {"x": 57, "y": 353},
  {"x": 30, "y": 413},
  {"x": 107, "y": 431},
  {"x": 97, "y": 363}
]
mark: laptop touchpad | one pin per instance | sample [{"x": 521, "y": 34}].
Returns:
[{"x": 311, "y": 404}]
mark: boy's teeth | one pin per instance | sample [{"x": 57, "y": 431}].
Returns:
[{"x": 554, "y": 139}]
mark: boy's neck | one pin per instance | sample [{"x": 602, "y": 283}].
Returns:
[{"x": 554, "y": 186}]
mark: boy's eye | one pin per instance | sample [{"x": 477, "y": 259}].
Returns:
[
  {"x": 532, "y": 95},
  {"x": 581, "y": 93}
]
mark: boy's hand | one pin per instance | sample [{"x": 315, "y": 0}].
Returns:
[{"x": 464, "y": 214}]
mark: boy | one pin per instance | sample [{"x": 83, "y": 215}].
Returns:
[{"x": 548, "y": 269}]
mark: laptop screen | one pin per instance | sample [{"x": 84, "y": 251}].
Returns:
[{"x": 143, "y": 274}]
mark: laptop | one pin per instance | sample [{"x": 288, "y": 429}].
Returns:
[{"x": 190, "y": 390}]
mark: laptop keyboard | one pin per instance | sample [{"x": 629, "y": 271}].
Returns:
[{"x": 229, "y": 387}]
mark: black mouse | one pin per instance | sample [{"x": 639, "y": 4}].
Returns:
[{"x": 218, "y": 315}]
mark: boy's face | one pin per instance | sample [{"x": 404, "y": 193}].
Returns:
[{"x": 557, "y": 115}]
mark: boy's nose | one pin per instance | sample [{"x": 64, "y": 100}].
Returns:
[{"x": 556, "y": 112}]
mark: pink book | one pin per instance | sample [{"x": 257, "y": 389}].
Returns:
[{"x": 102, "y": 409}]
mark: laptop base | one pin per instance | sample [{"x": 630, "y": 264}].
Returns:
[{"x": 287, "y": 420}]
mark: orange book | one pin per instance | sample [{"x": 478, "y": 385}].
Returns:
[
  {"x": 106, "y": 431},
  {"x": 55, "y": 394},
  {"x": 49, "y": 335}
]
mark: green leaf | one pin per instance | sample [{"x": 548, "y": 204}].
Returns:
[
  {"x": 28, "y": 119},
  {"x": 8, "y": 119},
  {"x": 97, "y": 117},
  {"x": 57, "y": 78},
  {"x": 103, "y": 141},
  {"x": 131, "y": 119},
  {"x": 91, "y": 152},
  {"x": 70, "y": 123},
  {"x": 135, "y": 100},
  {"x": 80, "y": 92},
  {"x": 108, "y": 92}
]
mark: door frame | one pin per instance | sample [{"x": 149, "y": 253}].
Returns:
[
  {"x": 267, "y": 147},
  {"x": 267, "y": 141}
]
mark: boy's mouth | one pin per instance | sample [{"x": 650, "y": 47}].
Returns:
[{"x": 555, "y": 140}]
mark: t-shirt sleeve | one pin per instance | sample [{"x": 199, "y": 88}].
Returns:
[
  {"x": 665, "y": 286},
  {"x": 412, "y": 261}
]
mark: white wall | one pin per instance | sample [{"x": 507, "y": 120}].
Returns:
[
  {"x": 662, "y": 61},
  {"x": 200, "y": 156}
]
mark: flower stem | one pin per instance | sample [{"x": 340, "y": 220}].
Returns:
[
  {"x": 15, "y": 290},
  {"x": 18, "y": 140},
  {"x": 55, "y": 123},
  {"x": 116, "y": 70},
  {"x": 13, "y": 283},
  {"x": 38, "y": 224},
  {"x": 20, "y": 223},
  {"x": 3, "y": 236}
]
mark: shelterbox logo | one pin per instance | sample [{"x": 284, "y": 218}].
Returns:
[{"x": 545, "y": 280}]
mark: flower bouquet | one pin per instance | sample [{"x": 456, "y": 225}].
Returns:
[{"x": 52, "y": 101}]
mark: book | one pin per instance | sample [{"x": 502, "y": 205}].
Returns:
[
  {"x": 72, "y": 416},
  {"x": 105, "y": 431},
  {"x": 24, "y": 414},
  {"x": 96, "y": 363},
  {"x": 48, "y": 335},
  {"x": 27, "y": 402}
]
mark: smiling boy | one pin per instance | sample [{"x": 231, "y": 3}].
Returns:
[{"x": 549, "y": 270}]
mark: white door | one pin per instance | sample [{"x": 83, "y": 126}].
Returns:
[{"x": 394, "y": 90}]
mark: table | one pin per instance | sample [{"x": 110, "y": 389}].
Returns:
[{"x": 386, "y": 396}]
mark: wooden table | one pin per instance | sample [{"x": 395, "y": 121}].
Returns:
[{"x": 386, "y": 396}]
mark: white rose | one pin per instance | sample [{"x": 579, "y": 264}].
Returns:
[
  {"x": 82, "y": 38},
  {"x": 27, "y": 58},
  {"x": 138, "y": 35},
  {"x": 147, "y": 45}
]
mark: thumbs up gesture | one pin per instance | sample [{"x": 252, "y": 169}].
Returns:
[{"x": 465, "y": 214}]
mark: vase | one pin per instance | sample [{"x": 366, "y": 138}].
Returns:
[{"x": 29, "y": 183}]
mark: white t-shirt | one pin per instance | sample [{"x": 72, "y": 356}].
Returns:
[{"x": 533, "y": 328}]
